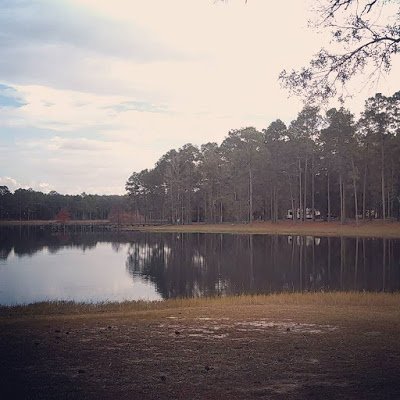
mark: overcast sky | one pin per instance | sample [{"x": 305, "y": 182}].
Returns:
[{"x": 92, "y": 90}]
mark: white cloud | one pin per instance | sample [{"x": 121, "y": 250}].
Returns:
[
  {"x": 11, "y": 183},
  {"x": 78, "y": 144},
  {"x": 14, "y": 184},
  {"x": 114, "y": 85}
]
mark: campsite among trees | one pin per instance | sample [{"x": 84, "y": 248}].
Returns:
[
  {"x": 329, "y": 166},
  {"x": 320, "y": 165}
]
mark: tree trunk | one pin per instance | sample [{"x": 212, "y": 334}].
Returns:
[
  {"x": 189, "y": 210},
  {"x": 172, "y": 207},
  {"x": 292, "y": 200},
  {"x": 250, "y": 195},
  {"x": 312, "y": 190},
  {"x": 344, "y": 200},
  {"x": 329, "y": 198},
  {"x": 182, "y": 210},
  {"x": 388, "y": 204},
  {"x": 264, "y": 217},
  {"x": 305, "y": 191},
  {"x": 364, "y": 192},
  {"x": 300, "y": 193},
  {"x": 383, "y": 178},
  {"x": 341, "y": 189},
  {"x": 393, "y": 193},
  {"x": 355, "y": 190},
  {"x": 271, "y": 209}
]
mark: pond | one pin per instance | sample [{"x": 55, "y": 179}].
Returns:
[{"x": 37, "y": 264}]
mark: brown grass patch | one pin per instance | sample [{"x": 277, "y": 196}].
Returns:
[
  {"x": 198, "y": 305},
  {"x": 351, "y": 229}
]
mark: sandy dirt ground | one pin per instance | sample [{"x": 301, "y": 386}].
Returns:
[{"x": 228, "y": 352}]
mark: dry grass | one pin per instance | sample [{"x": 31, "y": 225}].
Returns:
[
  {"x": 367, "y": 229},
  {"x": 195, "y": 305}
]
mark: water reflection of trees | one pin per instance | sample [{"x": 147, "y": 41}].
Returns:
[
  {"x": 187, "y": 265},
  {"x": 172, "y": 264},
  {"x": 29, "y": 240}
]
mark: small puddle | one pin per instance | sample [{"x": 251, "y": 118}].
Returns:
[
  {"x": 220, "y": 329},
  {"x": 284, "y": 326}
]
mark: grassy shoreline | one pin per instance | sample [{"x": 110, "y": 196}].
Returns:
[
  {"x": 367, "y": 229},
  {"x": 375, "y": 228},
  {"x": 199, "y": 305}
]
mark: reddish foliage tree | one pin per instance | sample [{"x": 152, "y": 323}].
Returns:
[
  {"x": 63, "y": 215},
  {"x": 120, "y": 216}
]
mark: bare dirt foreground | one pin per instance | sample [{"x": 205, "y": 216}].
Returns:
[{"x": 331, "y": 346}]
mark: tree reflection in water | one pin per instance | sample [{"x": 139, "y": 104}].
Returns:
[{"x": 192, "y": 265}]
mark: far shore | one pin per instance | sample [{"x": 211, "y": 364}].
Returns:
[
  {"x": 375, "y": 228},
  {"x": 351, "y": 229},
  {"x": 38, "y": 222}
]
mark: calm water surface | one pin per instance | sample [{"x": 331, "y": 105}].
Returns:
[{"x": 37, "y": 265}]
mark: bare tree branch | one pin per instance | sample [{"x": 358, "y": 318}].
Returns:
[{"x": 364, "y": 41}]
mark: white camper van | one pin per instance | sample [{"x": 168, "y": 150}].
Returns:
[{"x": 299, "y": 214}]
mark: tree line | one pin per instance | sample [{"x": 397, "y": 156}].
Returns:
[
  {"x": 320, "y": 164},
  {"x": 330, "y": 164},
  {"x": 28, "y": 204}
]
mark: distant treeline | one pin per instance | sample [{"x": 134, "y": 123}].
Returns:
[
  {"x": 329, "y": 166},
  {"x": 329, "y": 163},
  {"x": 27, "y": 204}
]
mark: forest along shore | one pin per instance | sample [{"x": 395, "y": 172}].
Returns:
[
  {"x": 38, "y": 222},
  {"x": 331, "y": 345},
  {"x": 375, "y": 228}
]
